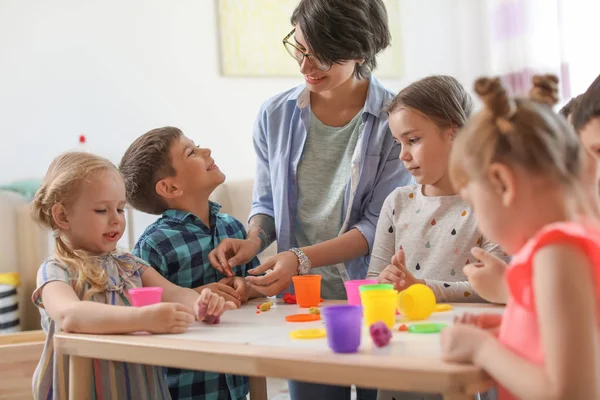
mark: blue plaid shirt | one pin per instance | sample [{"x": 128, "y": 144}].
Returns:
[{"x": 177, "y": 246}]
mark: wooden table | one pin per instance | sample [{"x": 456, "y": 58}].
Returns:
[{"x": 258, "y": 345}]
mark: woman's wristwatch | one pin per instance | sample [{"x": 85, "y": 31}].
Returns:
[{"x": 304, "y": 264}]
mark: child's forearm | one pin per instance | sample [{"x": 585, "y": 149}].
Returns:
[
  {"x": 90, "y": 317},
  {"x": 185, "y": 296},
  {"x": 523, "y": 379},
  {"x": 199, "y": 289},
  {"x": 497, "y": 294}
]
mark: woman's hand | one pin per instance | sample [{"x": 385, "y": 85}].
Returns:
[
  {"x": 284, "y": 266},
  {"x": 233, "y": 252}
]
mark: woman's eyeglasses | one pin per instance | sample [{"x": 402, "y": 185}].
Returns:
[{"x": 298, "y": 54}]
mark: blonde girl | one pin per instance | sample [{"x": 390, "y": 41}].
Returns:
[{"x": 84, "y": 286}]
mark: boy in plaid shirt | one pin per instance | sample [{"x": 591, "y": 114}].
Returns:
[{"x": 166, "y": 173}]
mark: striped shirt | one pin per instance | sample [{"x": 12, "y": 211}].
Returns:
[
  {"x": 177, "y": 245},
  {"x": 110, "y": 379}
]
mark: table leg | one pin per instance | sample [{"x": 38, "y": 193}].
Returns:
[
  {"x": 80, "y": 377},
  {"x": 258, "y": 388}
]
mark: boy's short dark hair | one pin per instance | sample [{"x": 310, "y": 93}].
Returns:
[
  {"x": 339, "y": 30},
  {"x": 588, "y": 106},
  {"x": 146, "y": 162},
  {"x": 570, "y": 107}
]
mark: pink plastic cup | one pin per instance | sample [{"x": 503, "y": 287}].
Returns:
[
  {"x": 352, "y": 290},
  {"x": 145, "y": 296}
]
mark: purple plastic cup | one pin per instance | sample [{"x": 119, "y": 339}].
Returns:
[
  {"x": 352, "y": 290},
  {"x": 343, "y": 325}
]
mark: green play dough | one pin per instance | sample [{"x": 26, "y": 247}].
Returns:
[{"x": 426, "y": 328}]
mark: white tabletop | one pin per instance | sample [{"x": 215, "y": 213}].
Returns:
[
  {"x": 269, "y": 328},
  {"x": 259, "y": 345}
]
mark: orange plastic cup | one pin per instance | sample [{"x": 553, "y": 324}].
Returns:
[{"x": 308, "y": 290}]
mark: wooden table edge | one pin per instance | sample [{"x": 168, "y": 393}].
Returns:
[{"x": 432, "y": 375}]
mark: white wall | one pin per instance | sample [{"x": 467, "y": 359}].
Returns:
[
  {"x": 114, "y": 69},
  {"x": 580, "y": 19}
]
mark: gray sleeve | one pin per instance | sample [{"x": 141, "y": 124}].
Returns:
[
  {"x": 454, "y": 292},
  {"x": 495, "y": 250},
  {"x": 457, "y": 292},
  {"x": 385, "y": 241}
]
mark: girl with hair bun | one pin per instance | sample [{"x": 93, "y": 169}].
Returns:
[{"x": 518, "y": 164}]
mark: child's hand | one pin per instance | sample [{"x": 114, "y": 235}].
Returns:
[
  {"x": 482, "y": 321},
  {"x": 240, "y": 285},
  {"x": 225, "y": 290},
  {"x": 392, "y": 274},
  {"x": 461, "y": 343},
  {"x": 167, "y": 317},
  {"x": 210, "y": 304},
  {"x": 397, "y": 274},
  {"x": 487, "y": 277},
  {"x": 231, "y": 253}
]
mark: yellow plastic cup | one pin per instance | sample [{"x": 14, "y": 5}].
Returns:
[
  {"x": 417, "y": 302},
  {"x": 379, "y": 305}
]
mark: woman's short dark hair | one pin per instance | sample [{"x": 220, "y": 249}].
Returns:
[{"x": 340, "y": 30}]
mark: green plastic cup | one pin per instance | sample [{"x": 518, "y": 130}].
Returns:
[{"x": 377, "y": 286}]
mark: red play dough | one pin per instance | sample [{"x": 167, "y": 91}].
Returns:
[{"x": 289, "y": 298}]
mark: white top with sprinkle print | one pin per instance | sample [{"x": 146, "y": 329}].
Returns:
[{"x": 436, "y": 234}]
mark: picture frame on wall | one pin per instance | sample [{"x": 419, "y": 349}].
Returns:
[{"x": 251, "y": 32}]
